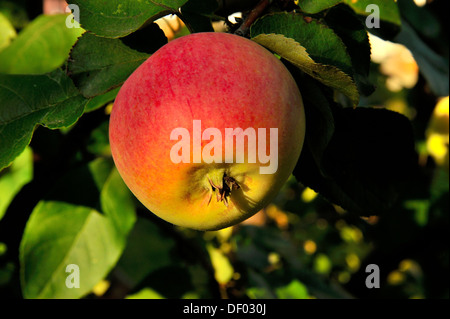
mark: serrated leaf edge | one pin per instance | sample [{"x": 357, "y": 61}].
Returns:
[{"x": 307, "y": 60}]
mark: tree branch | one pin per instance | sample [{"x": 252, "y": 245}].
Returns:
[{"x": 257, "y": 11}]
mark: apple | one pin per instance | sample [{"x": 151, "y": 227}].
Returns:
[{"x": 178, "y": 123}]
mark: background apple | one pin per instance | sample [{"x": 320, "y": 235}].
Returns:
[{"x": 225, "y": 81}]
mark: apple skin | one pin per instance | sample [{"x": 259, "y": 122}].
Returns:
[{"x": 226, "y": 81}]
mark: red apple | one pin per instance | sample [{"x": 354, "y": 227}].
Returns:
[{"x": 172, "y": 126}]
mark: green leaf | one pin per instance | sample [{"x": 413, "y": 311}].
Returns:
[
  {"x": 223, "y": 270},
  {"x": 311, "y": 46},
  {"x": 91, "y": 236},
  {"x": 98, "y": 143},
  {"x": 434, "y": 68},
  {"x": 439, "y": 185},
  {"x": 385, "y": 10},
  {"x": 148, "y": 39},
  {"x": 118, "y": 18},
  {"x": 294, "y": 290},
  {"x": 147, "y": 250},
  {"x": 41, "y": 47},
  {"x": 101, "y": 100},
  {"x": 8, "y": 33},
  {"x": 314, "y": 6},
  {"x": 197, "y": 14},
  {"x": 117, "y": 204},
  {"x": 352, "y": 32},
  {"x": 320, "y": 42},
  {"x": 259, "y": 288},
  {"x": 30, "y": 100},
  {"x": 145, "y": 293},
  {"x": 60, "y": 234},
  {"x": 421, "y": 19},
  {"x": 366, "y": 164},
  {"x": 98, "y": 65},
  {"x": 388, "y": 9},
  {"x": 318, "y": 113},
  {"x": 13, "y": 178}
]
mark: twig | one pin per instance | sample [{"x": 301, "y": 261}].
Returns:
[{"x": 252, "y": 16}]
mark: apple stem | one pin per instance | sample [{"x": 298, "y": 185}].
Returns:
[
  {"x": 257, "y": 11},
  {"x": 223, "y": 192}
]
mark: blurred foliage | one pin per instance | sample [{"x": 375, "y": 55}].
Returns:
[{"x": 301, "y": 246}]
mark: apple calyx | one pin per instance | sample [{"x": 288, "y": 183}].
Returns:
[{"x": 224, "y": 190}]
